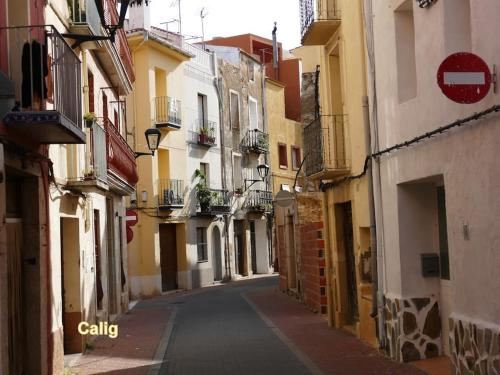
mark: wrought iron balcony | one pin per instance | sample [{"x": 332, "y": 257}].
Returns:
[
  {"x": 167, "y": 112},
  {"x": 259, "y": 201},
  {"x": 120, "y": 157},
  {"x": 218, "y": 202},
  {"x": 44, "y": 101},
  {"x": 257, "y": 141},
  {"x": 207, "y": 133},
  {"x": 319, "y": 19},
  {"x": 170, "y": 194},
  {"x": 325, "y": 147},
  {"x": 85, "y": 17}
]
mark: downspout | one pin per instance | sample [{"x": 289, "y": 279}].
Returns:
[
  {"x": 371, "y": 207},
  {"x": 218, "y": 89},
  {"x": 265, "y": 126},
  {"x": 377, "y": 243}
]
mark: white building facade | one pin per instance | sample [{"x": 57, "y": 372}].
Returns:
[{"x": 437, "y": 199}]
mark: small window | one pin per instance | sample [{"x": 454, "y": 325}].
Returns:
[
  {"x": 205, "y": 171},
  {"x": 105, "y": 107},
  {"x": 251, "y": 71},
  {"x": 282, "y": 156},
  {"x": 234, "y": 100},
  {"x": 237, "y": 173},
  {"x": 253, "y": 113},
  {"x": 202, "y": 110},
  {"x": 116, "y": 119},
  {"x": 296, "y": 160},
  {"x": 201, "y": 239},
  {"x": 91, "y": 92}
]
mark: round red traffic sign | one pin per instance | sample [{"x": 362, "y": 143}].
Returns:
[
  {"x": 131, "y": 218},
  {"x": 130, "y": 235},
  {"x": 464, "y": 78}
]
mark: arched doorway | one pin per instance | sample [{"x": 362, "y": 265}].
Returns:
[{"x": 216, "y": 254}]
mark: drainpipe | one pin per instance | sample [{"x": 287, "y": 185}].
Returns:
[
  {"x": 371, "y": 207},
  {"x": 378, "y": 266},
  {"x": 266, "y": 127},
  {"x": 218, "y": 89}
]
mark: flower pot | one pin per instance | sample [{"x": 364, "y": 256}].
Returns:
[{"x": 89, "y": 123}]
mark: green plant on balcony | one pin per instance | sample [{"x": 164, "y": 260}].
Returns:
[
  {"x": 203, "y": 193},
  {"x": 204, "y": 134},
  {"x": 262, "y": 142},
  {"x": 89, "y": 119}
]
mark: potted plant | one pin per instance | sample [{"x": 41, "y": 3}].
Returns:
[
  {"x": 89, "y": 119},
  {"x": 204, "y": 136},
  {"x": 203, "y": 193},
  {"x": 262, "y": 143}
]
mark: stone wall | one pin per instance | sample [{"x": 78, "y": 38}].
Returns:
[
  {"x": 474, "y": 348},
  {"x": 308, "y": 99},
  {"x": 413, "y": 328}
]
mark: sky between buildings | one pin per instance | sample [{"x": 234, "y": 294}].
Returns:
[{"x": 232, "y": 17}]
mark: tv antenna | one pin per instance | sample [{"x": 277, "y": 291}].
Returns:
[{"x": 203, "y": 14}]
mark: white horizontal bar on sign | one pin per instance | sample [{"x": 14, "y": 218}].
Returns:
[
  {"x": 464, "y": 78},
  {"x": 130, "y": 218}
]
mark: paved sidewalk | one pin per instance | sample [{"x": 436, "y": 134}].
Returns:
[
  {"x": 331, "y": 351},
  {"x": 140, "y": 332}
]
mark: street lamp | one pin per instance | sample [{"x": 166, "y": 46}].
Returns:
[
  {"x": 263, "y": 170},
  {"x": 153, "y": 138}
]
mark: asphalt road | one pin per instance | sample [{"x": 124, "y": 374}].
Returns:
[{"x": 217, "y": 332}]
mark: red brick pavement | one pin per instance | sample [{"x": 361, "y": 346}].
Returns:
[
  {"x": 131, "y": 353},
  {"x": 332, "y": 351}
]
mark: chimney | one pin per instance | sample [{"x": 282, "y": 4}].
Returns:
[
  {"x": 139, "y": 17},
  {"x": 275, "y": 53}
]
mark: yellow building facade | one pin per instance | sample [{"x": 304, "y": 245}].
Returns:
[
  {"x": 333, "y": 54},
  {"x": 284, "y": 134},
  {"x": 157, "y": 252}
]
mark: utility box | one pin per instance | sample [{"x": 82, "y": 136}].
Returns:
[{"x": 430, "y": 265}]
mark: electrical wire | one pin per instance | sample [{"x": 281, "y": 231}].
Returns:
[{"x": 458, "y": 123}]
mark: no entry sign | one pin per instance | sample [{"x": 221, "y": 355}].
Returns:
[
  {"x": 131, "y": 218},
  {"x": 464, "y": 78}
]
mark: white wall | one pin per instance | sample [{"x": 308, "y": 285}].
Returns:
[{"x": 465, "y": 158}]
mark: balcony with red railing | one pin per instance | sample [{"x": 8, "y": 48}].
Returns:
[
  {"x": 120, "y": 43},
  {"x": 120, "y": 157}
]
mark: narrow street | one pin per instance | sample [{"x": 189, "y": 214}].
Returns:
[{"x": 246, "y": 327}]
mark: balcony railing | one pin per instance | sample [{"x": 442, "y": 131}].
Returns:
[
  {"x": 170, "y": 194},
  {"x": 120, "y": 157},
  {"x": 207, "y": 133},
  {"x": 46, "y": 103},
  {"x": 167, "y": 112},
  {"x": 259, "y": 201},
  {"x": 325, "y": 146},
  {"x": 84, "y": 13},
  {"x": 99, "y": 158},
  {"x": 111, "y": 18},
  {"x": 219, "y": 203},
  {"x": 257, "y": 141},
  {"x": 323, "y": 13}
]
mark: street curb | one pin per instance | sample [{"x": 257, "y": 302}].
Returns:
[
  {"x": 310, "y": 365},
  {"x": 163, "y": 345}
]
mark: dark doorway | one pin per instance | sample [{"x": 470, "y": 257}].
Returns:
[
  {"x": 97, "y": 254},
  {"x": 253, "y": 247},
  {"x": 110, "y": 229},
  {"x": 23, "y": 282},
  {"x": 239, "y": 247},
  {"x": 168, "y": 257},
  {"x": 216, "y": 254},
  {"x": 350, "y": 263},
  {"x": 290, "y": 249}
]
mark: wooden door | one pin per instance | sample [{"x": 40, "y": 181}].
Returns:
[{"x": 168, "y": 257}]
